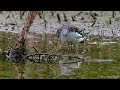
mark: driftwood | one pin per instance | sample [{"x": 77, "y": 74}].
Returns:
[{"x": 19, "y": 52}]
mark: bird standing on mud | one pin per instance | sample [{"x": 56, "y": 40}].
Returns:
[{"x": 70, "y": 34}]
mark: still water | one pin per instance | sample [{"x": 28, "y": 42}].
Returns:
[{"x": 86, "y": 61}]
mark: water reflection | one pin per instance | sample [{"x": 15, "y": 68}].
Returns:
[
  {"x": 42, "y": 71},
  {"x": 47, "y": 70},
  {"x": 19, "y": 68},
  {"x": 33, "y": 69},
  {"x": 66, "y": 66}
]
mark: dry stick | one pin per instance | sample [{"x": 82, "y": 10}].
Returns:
[
  {"x": 26, "y": 28},
  {"x": 11, "y": 47},
  {"x": 35, "y": 49}
]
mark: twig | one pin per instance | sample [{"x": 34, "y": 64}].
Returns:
[
  {"x": 35, "y": 49},
  {"x": 11, "y": 47}
]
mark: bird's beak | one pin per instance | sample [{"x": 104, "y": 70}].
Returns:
[{"x": 82, "y": 41}]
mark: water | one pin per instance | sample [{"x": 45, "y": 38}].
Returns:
[{"x": 87, "y": 61}]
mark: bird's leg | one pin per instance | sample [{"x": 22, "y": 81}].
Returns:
[{"x": 70, "y": 46}]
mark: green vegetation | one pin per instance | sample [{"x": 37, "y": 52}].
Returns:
[{"x": 87, "y": 70}]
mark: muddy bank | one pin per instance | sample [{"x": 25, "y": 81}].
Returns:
[{"x": 97, "y": 22}]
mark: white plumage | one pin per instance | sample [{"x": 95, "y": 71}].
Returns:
[{"x": 70, "y": 34}]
